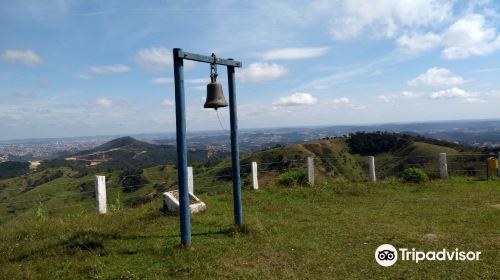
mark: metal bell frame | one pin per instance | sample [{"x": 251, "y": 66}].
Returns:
[{"x": 180, "y": 119}]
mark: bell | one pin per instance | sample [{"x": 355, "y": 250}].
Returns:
[{"x": 215, "y": 96}]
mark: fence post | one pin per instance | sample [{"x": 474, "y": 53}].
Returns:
[
  {"x": 255, "y": 180},
  {"x": 310, "y": 170},
  {"x": 100, "y": 194},
  {"x": 371, "y": 163},
  {"x": 190, "y": 180},
  {"x": 443, "y": 166}
]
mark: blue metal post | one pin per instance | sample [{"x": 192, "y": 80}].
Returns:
[
  {"x": 235, "y": 151},
  {"x": 180, "y": 121}
]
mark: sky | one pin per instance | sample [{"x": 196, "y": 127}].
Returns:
[{"x": 82, "y": 68}]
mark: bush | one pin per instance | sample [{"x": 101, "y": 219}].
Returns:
[
  {"x": 132, "y": 180},
  {"x": 373, "y": 143},
  {"x": 415, "y": 175},
  {"x": 292, "y": 178}
]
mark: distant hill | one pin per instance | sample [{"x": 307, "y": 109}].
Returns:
[
  {"x": 127, "y": 152},
  {"x": 127, "y": 143},
  {"x": 123, "y": 153},
  {"x": 347, "y": 156}
]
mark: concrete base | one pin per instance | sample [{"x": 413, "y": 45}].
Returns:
[{"x": 171, "y": 203}]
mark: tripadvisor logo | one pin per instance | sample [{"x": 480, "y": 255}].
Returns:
[{"x": 387, "y": 255}]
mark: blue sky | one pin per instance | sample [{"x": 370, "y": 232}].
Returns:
[{"x": 74, "y": 68}]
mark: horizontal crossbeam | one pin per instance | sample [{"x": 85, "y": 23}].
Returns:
[{"x": 209, "y": 59}]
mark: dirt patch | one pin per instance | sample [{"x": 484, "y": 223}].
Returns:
[
  {"x": 497, "y": 206},
  {"x": 430, "y": 237},
  {"x": 34, "y": 164}
]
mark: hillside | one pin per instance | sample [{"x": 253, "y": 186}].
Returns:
[
  {"x": 9, "y": 169},
  {"x": 123, "y": 153},
  {"x": 125, "y": 143}
]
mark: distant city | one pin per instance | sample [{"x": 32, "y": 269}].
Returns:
[{"x": 478, "y": 133}]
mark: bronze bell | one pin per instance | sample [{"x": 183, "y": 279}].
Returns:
[{"x": 215, "y": 96}]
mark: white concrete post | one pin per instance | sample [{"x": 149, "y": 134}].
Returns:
[
  {"x": 371, "y": 163},
  {"x": 190, "y": 180},
  {"x": 310, "y": 170},
  {"x": 100, "y": 194},
  {"x": 443, "y": 166},
  {"x": 255, "y": 180}
]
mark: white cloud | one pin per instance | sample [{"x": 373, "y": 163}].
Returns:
[
  {"x": 385, "y": 99},
  {"x": 258, "y": 72},
  {"x": 109, "y": 69},
  {"x": 83, "y": 76},
  {"x": 198, "y": 81},
  {"x": 27, "y": 57},
  {"x": 417, "y": 43},
  {"x": 168, "y": 102},
  {"x": 436, "y": 77},
  {"x": 342, "y": 100},
  {"x": 409, "y": 95},
  {"x": 384, "y": 18},
  {"x": 469, "y": 36},
  {"x": 345, "y": 102},
  {"x": 391, "y": 99},
  {"x": 474, "y": 100},
  {"x": 157, "y": 59},
  {"x": 104, "y": 102},
  {"x": 294, "y": 53},
  {"x": 162, "y": 80},
  {"x": 154, "y": 59},
  {"x": 453, "y": 93},
  {"x": 296, "y": 99}
]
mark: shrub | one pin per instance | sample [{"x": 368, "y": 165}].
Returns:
[
  {"x": 132, "y": 180},
  {"x": 85, "y": 240},
  {"x": 415, "y": 175},
  {"x": 372, "y": 143},
  {"x": 40, "y": 214},
  {"x": 292, "y": 178}
]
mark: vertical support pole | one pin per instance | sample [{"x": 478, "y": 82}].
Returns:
[
  {"x": 100, "y": 194},
  {"x": 310, "y": 170},
  {"x": 487, "y": 171},
  {"x": 255, "y": 180},
  {"x": 443, "y": 166},
  {"x": 371, "y": 163},
  {"x": 235, "y": 150},
  {"x": 180, "y": 122},
  {"x": 190, "y": 180}
]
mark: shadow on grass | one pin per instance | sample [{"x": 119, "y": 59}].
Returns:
[{"x": 87, "y": 240}]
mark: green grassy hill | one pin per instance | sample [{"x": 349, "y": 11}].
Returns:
[{"x": 123, "y": 153}]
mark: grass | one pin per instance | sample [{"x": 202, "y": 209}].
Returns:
[{"x": 329, "y": 231}]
